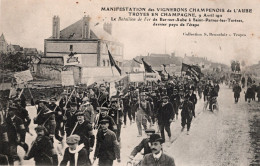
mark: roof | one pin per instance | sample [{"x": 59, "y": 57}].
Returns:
[
  {"x": 17, "y": 47},
  {"x": 74, "y": 32},
  {"x": 30, "y": 50},
  {"x": 2, "y": 38}
]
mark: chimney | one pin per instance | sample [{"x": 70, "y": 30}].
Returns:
[
  {"x": 56, "y": 27},
  {"x": 85, "y": 27},
  {"x": 108, "y": 28}
]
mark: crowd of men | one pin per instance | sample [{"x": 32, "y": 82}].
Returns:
[{"x": 75, "y": 114}]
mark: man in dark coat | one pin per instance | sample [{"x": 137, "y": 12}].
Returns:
[
  {"x": 107, "y": 147},
  {"x": 175, "y": 99},
  {"x": 144, "y": 144},
  {"x": 116, "y": 113},
  {"x": 70, "y": 118},
  {"x": 165, "y": 116},
  {"x": 42, "y": 149},
  {"x": 186, "y": 113},
  {"x": 237, "y": 89},
  {"x": 193, "y": 99},
  {"x": 104, "y": 115},
  {"x": 157, "y": 157},
  {"x": 58, "y": 118},
  {"x": 84, "y": 129},
  {"x": 75, "y": 154},
  {"x": 15, "y": 132}
]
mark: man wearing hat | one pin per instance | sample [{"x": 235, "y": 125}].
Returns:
[
  {"x": 143, "y": 113},
  {"x": 193, "y": 99},
  {"x": 70, "y": 118},
  {"x": 107, "y": 147},
  {"x": 144, "y": 144},
  {"x": 165, "y": 116},
  {"x": 186, "y": 113},
  {"x": 157, "y": 157},
  {"x": 117, "y": 114},
  {"x": 42, "y": 149},
  {"x": 75, "y": 154},
  {"x": 84, "y": 129},
  {"x": 175, "y": 99}
]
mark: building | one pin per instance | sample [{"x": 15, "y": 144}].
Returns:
[
  {"x": 3, "y": 44},
  {"x": 85, "y": 39},
  {"x": 84, "y": 47}
]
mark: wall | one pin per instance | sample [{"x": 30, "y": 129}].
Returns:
[{"x": 54, "y": 48}]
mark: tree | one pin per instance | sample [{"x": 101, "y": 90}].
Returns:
[{"x": 14, "y": 62}]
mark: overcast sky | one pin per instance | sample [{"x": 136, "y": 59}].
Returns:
[{"x": 29, "y": 22}]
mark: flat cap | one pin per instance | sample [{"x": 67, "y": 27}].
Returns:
[
  {"x": 104, "y": 121},
  {"x": 73, "y": 139}
]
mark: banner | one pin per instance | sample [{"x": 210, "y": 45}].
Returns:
[
  {"x": 136, "y": 77},
  {"x": 23, "y": 76},
  {"x": 152, "y": 77},
  {"x": 72, "y": 59},
  {"x": 67, "y": 78},
  {"x": 112, "y": 89}
]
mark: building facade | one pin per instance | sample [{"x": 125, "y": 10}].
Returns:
[{"x": 83, "y": 38}]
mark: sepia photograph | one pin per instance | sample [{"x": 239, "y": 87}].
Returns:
[{"x": 129, "y": 83}]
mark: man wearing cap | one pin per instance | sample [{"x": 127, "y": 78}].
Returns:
[
  {"x": 104, "y": 115},
  {"x": 193, "y": 99},
  {"x": 237, "y": 89},
  {"x": 107, "y": 147},
  {"x": 117, "y": 114},
  {"x": 58, "y": 118},
  {"x": 127, "y": 109},
  {"x": 84, "y": 129},
  {"x": 157, "y": 157},
  {"x": 42, "y": 149},
  {"x": 143, "y": 113},
  {"x": 175, "y": 99},
  {"x": 75, "y": 154},
  {"x": 186, "y": 113},
  {"x": 70, "y": 118},
  {"x": 165, "y": 116},
  {"x": 144, "y": 144}
]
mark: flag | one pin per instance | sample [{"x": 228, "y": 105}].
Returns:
[
  {"x": 147, "y": 67},
  {"x": 112, "y": 62},
  {"x": 164, "y": 67},
  {"x": 185, "y": 67}
]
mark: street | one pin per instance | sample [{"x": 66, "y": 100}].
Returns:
[{"x": 225, "y": 137}]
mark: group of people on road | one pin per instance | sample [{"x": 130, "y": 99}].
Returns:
[
  {"x": 252, "y": 90},
  {"x": 74, "y": 114}
]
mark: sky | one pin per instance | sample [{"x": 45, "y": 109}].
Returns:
[{"x": 29, "y": 22}]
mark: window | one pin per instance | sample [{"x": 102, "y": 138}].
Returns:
[
  {"x": 104, "y": 63},
  {"x": 71, "y": 47},
  {"x": 108, "y": 64}
]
